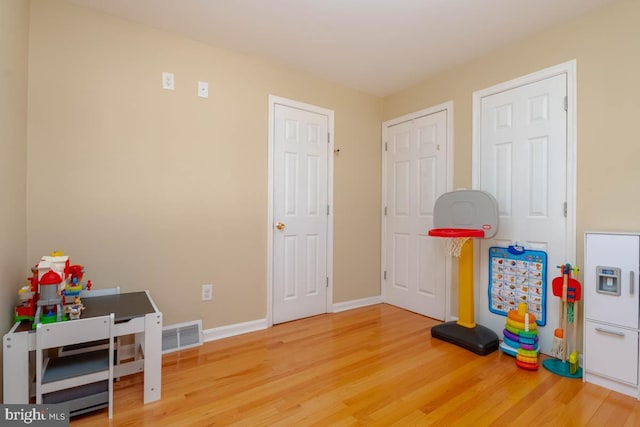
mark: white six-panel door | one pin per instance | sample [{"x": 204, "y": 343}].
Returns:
[
  {"x": 522, "y": 156},
  {"x": 300, "y": 213},
  {"x": 414, "y": 264}
]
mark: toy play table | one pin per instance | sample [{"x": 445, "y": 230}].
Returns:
[{"x": 135, "y": 313}]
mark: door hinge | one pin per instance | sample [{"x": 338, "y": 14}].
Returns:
[
  {"x": 328, "y": 138},
  {"x": 328, "y": 210},
  {"x": 385, "y": 146},
  {"x": 566, "y": 103},
  {"x": 327, "y": 282},
  {"x": 385, "y": 211},
  {"x": 385, "y": 275},
  {"x": 565, "y": 209}
]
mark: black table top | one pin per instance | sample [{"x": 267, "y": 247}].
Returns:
[{"x": 124, "y": 306}]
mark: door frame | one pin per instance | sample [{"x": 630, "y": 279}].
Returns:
[
  {"x": 568, "y": 68},
  {"x": 448, "y": 107},
  {"x": 273, "y": 101}
]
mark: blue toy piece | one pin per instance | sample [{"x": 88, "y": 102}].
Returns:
[
  {"x": 506, "y": 349},
  {"x": 561, "y": 368}
]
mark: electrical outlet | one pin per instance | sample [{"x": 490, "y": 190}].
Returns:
[
  {"x": 207, "y": 292},
  {"x": 168, "y": 81}
]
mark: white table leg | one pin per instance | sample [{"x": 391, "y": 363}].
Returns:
[
  {"x": 152, "y": 357},
  {"x": 15, "y": 367}
]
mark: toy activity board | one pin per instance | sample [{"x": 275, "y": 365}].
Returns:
[{"x": 517, "y": 275}]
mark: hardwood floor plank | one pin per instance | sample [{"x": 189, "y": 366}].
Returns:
[{"x": 372, "y": 366}]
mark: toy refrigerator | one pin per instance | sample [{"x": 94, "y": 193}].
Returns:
[{"x": 611, "y": 309}]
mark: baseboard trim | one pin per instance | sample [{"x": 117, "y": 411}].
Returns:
[
  {"x": 233, "y": 330},
  {"x": 257, "y": 325},
  {"x": 356, "y": 303}
]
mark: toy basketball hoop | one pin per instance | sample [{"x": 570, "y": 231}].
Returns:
[
  {"x": 455, "y": 238},
  {"x": 457, "y": 217}
]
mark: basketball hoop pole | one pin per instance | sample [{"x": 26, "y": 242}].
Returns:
[
  {"x": 466, "y": 310},
  {"x": 461, "y": 246}
]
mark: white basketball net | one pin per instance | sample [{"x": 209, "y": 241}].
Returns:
[{"x": 453, "y": 245}]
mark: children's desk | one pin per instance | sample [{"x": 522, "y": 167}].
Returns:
[{"x": 135, "y": 313}]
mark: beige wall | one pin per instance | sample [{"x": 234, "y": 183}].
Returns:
[
  {"x": 158, "y": 189},
  {"x": 14, "y": 32},
  {"x": 605, "y": 45},
  {"x": 163, "y": 190}
]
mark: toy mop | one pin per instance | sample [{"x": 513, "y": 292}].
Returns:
[
  {"x": 521, "y": 338},
  {"x": 565, "y": 362}
]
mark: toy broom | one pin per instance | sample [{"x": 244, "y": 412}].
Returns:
[
  {"x": 559, "y": 348},
  {"x": 570, "y": 289}
]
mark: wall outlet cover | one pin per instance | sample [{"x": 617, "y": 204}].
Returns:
[
  {"x": 207, "y": 292},
  {"x": 203, "y": 89},
  {"x": 168, "y": 81}
]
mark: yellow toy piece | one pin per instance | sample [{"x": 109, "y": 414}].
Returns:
[
  {"x": 520, "y": 325},
  {"x": 525, "y": 359},
  {"x": 573, "y": 363},
  {"x": 527, "y": 353}
]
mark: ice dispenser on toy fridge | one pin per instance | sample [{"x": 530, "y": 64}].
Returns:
[{"x": 608, "y": 280}]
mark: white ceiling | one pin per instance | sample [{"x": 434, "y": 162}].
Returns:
[{"x": 376, "y": 46}]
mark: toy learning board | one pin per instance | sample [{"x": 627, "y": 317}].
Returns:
[{"x": 518, "y": 275}]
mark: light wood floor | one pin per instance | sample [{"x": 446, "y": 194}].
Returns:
[{"x": 374, "y": 366}]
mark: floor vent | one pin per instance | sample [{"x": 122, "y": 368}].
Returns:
[{"x": 181, "y": 335}]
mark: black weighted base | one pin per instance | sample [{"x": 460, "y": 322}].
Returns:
[{"x": 480, "y": 340}]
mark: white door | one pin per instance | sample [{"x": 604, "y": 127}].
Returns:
[
  {"x": 522, "y": 156},
  {"x": 300, "y": 213},
  {"x": 414, "y": 264}
]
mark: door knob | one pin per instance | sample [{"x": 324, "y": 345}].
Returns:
[{"x": 280, "y": 226}]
